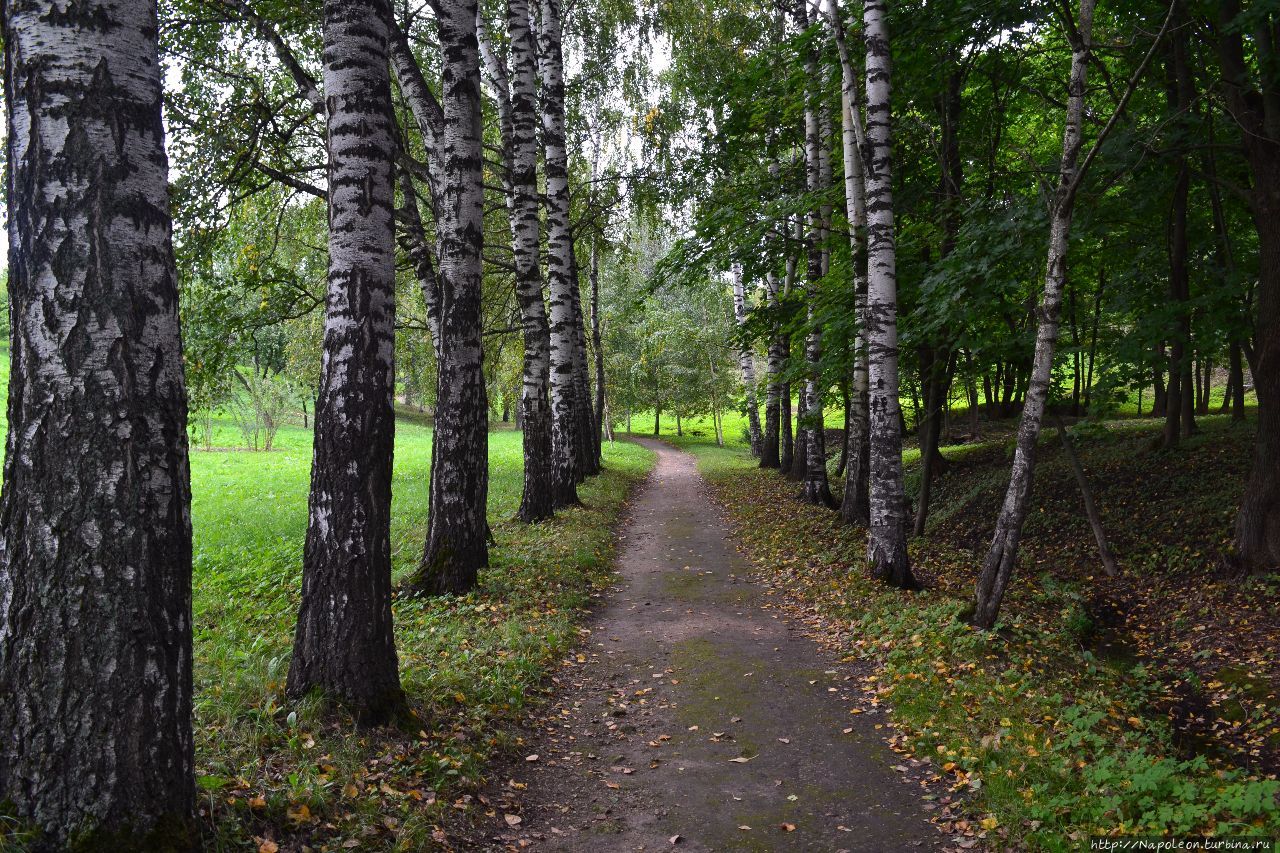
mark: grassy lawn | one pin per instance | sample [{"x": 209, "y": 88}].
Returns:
[
  {"x": 469, "y": 665},
  {"x": 1064, "y": 723},
  {"x": 274, "y": 773}
]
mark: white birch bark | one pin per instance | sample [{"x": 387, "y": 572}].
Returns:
[
  {"x": 746, "y": 360},
  {"x": 95, "y": 525},
  {"x": 518, "y": 105},
  {"x": 560, "y": 303},
  {"x": 855, "y": 506},
  {"x": 457, "y": 533},
  {"x": 887, "y": 551},
  {"x": 343, "y": 644}
]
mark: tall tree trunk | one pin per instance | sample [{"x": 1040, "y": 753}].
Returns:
[
  {"x": 587, "y": 450},
  {"x": 564, "y": 402},
  {"x": 343, "y": 645},
  {"x": 457, "y": 544},
  {"x": 1180, "y": 398},
  {"x": 518, "y": 104},
  {"x": 816, "y": 489},
  {"x": 746, "y": 362},
  {"x": 95, "y": 524},
  {"x": 601, "y": 424},
  {"x": 887, "y": 551},
  {"x": 1003, "y": 554},
  {"x": 855, "y": 505},
  {"x": 769, "y": 457}
]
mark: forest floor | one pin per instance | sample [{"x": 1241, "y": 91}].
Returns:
[{"x": 692, "y": 716}]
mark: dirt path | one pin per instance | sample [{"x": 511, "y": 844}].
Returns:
[{"x": 691, "y": 711}]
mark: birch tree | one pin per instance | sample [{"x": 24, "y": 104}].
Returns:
[
  {"x": 1002, "y": 556},
  {"x": 565, "y": 438},
  {"x": 854, "y": 507},
  {"x": 887, "y": 550},
  {"x": 457, "y": 525},
  {"x": 746, "y": 361},
  {"x": 817, "y": 170},
  {"x": 344, "y": 645},
  {"x": 95, "y": 525},
  {"x": 518, "y": 115}
]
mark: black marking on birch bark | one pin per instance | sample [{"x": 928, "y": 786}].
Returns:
[
  {"x": 560, "y": 302},
  {"x": 457, "y": 526},
  {"x": 887, "y": 551},
  {"x": 344, "y": 645},
  {"x": 95, "y": 530}
]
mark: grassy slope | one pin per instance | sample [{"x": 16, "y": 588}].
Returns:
[
  {"x": 274, "y": 772},
  {"x": 1048, "y": 732}
]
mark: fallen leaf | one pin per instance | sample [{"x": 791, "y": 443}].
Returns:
[
  {"x": 741, "y": 759},
  {"x": 533, "y": 757},
  {"x": 513, "y": 819},
  {"x": 787, "y": 827},
  {"x": 266, "y": 845}
]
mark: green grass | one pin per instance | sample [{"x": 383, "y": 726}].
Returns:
[
  {"x": 273, "y": 770},
  {"x": 469, "y": 665},
  {"x": 1047, "y": 739}
]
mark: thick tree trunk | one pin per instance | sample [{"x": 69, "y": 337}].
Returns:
[
  {"x": 343, "y": 645},
  {"x": 1003, "y": 554},
  {"x": 887, "y": 551},
  {"x": 564, "y": 403},
  {"x": 787, "y": 454},
  {"x": 746, "y": 363},
  {"x": 95, "y": 525},
  {"x": 457, "y": 544},
  {"x": 1258, "y": 524},
  {"x": 518, "y": 101},
  {"x": 1258, "y": 114}
]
